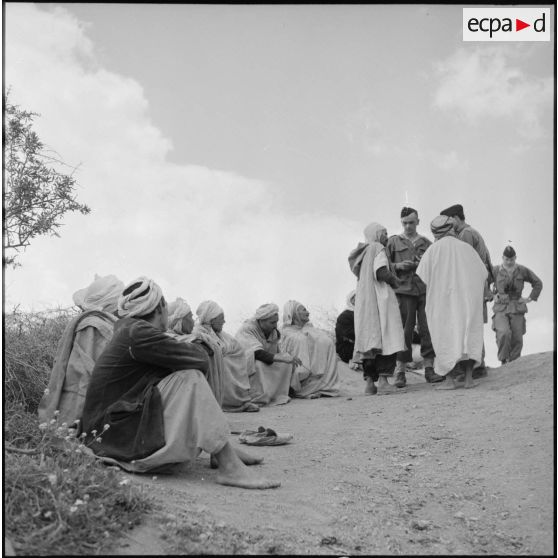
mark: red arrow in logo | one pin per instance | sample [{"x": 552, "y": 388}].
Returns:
[{"x": 519, "y": 25}]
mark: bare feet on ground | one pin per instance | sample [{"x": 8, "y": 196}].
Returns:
[
  {"x": 370, "y": 388},
  {"x": 233, "y": 472},
  {"x": 384, "y": 387},
  {"x": 246, "y": 458},
  {"x": 447, "y": 385}
]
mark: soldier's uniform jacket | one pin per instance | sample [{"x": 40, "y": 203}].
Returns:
[{"x": 509, "y": 287}]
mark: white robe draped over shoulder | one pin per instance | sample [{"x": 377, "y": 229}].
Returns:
[
  {"x": 269, "y": 382},
  {"x": 378, "y": 326},
  {"x": 454, "y": 276},
  {"x": 234, "y": 363},
  {"x": 316, "y": 350}
]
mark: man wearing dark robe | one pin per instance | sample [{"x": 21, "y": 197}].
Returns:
[{"x": 149, "y": 406}]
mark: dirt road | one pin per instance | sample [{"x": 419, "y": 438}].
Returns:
[{"x": 417, "y": 472}]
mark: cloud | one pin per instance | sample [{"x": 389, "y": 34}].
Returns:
[
  {"x": 483, "y": 84},
  {"x": 371, "y": 130},
  {"x": 200, "y": 232}
]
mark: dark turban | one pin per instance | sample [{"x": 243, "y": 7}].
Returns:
[
  {"x": 509, "y": 252},
  {"x": 407, "y": 211},
  {"x": 453, "y": 210},
  {"x": 441, "y": 224}
]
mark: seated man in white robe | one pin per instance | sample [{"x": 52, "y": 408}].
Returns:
[
  {"x": 83, "y": 341},
  {"x": 270, "y": 371},
  {"x": 317, "y": 373},
  {"x": 148, "y": 405},
  {"x": 454, "y": 275},
  {"x": 233, "y": 362},
  {"x": 181, "y": 327}
]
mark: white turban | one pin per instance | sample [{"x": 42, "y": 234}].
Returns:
[
  {"x": 289, "y": 311},
  {"x": 266, "y": 311},
  {"x": 178, "y": 310},
  {"x": 208, "y": 310},
  {"x": 142, "y": 300},
  {"x": 350, "y": 301},
  {"x": 373, "y": 232},
  {"x": 102, "y": 294},
  {"x": 441, "y": 225}
]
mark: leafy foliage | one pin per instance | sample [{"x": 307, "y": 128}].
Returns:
[{"x": 37, "y": 195}]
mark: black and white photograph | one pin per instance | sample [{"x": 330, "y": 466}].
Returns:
[{"x": 279, "y": 279}]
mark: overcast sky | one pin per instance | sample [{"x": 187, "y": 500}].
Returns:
[{"x": 236, "y": 153}]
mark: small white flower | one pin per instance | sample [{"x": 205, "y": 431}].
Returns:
[
  {"x": 106, "y": 427},
  {"x": 78, "y": 450},
  {"x": 52, "y": 421},
  {"x": 47, "y": 514},
  {"x": 77, "y": 421},
  {"x": 47, "y": 391},
  {"x": 73, "y": 509},
  {"x": 124, "y": 482},
  {"x": 98, "y": 440},
  {"x": 64, "y": 425},
  {"x": 52, "y": 479},
  {"x": 43, "y": 426},
  {"x": 79, "y": 502},
  {"x": 93, "y": 432},
  {"x": 56, "y": 413}
]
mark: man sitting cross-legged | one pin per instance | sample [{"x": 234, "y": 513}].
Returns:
[{"x": 148, "y": 404}]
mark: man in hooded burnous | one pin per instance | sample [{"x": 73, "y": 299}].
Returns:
[
  {"x": 378, "y": 329},
  {"x": 404, "y": 252},
  {"x": 454, "y": 276},
  {"x": 84, "y": 339},
  {"x": 510, "y": 306}
]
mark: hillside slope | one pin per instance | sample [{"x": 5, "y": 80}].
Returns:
[{"x": 417, "y": 472}]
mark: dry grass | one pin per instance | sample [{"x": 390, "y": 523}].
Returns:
[
  {"x": 59, "y": 499},
  {"x": 30, "y": 343}
]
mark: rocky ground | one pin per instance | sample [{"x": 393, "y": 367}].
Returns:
[{"x": 417, "y": 472}]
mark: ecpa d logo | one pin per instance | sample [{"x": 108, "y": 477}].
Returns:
[{"x": 506, "y": 24}]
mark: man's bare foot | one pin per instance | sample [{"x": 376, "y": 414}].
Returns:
[
  {"x": 384, "y": 387},
  {"x": 447, "y": 385},
  {"x": 233, "y": 472},
  {"x": 246, "y": 480},
  {"x": 470, "y": 385},
  {"x": 370, "y": 388},
  {"x": 246, "y": 458}
]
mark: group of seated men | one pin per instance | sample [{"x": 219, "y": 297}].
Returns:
[{"x": 155, "y": 382}]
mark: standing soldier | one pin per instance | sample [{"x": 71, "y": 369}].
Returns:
[
  {"x": 509, "y": 306},
  {"x": 404, "y": 252}
]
